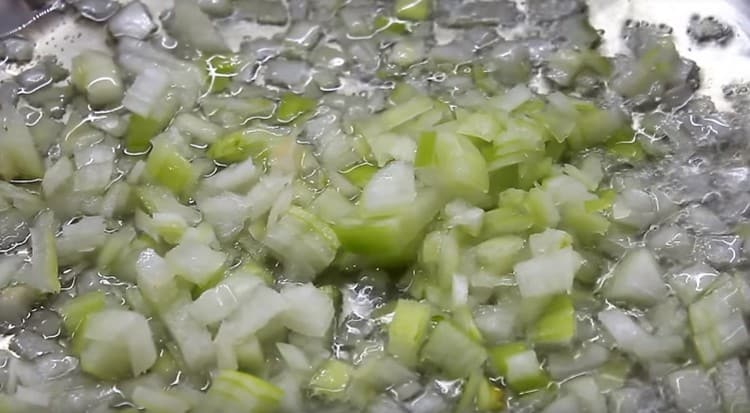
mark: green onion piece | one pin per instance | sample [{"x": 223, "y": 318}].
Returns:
[
  {"x": 408, "y": 331},
  {"x": 293, "y": 106},
  {"x": 413, "y": 9},
  {"x": 441, "y": 351},
  {"x": 557, "y": 325},
  {"x": 168, "y": 168},
  {"x": 233, "y": 391},
  {"x": 519, "y": 367},
  {"x": 331, "y": 380}
]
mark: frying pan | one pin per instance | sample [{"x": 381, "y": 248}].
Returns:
[{"x": 65, "y": 35}]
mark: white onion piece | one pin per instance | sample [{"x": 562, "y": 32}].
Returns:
[
  {"x": 693, "y": 390},
  {"x": 294, "y": 357},
  {"x": 189, "y": 24},
  {"x": 309, "y": 310},
  {"x": 133, "y": 20},
  {"x": 636, "y": 279},
  {"x": 262, "y": 306},
  {"x": 9, "y": 265},
  {"x": 548, "y": 274},
  {"x": 147, "y": 93}
]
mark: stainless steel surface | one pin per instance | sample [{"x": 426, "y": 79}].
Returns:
[
  {"x": 66, "y": 34},
  {"x": 720, "y": 65},
  {"x": 16, "y": 15}
]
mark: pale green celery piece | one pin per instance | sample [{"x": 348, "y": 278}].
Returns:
[
  {"x": 199, "y": 129},
  {"x": 250, "y": 356},
  {"x": 331, "y": 380},
  {"x": 557, "y": 325},
  {"x": 657, "y": 64},
  {"x": 505, "y": 221},
  {"x": 75, "y": 311},
  {"x": 413, "y": 9},
  {"x": 142, "y": 129},
  {"x": 407, "y": 52},
  {"x": 408, "y": 331},
  {"x": 440, "y": 351},
  {"x": 116, "y": 344},
  {"x": 463, "y": 317},
  {"x": 548, "y": 241},
  {"x": 233, "y": 391},
  {"x": 305, "y": 244},
  {"x": 469, "y": 392},
  {"x": 480, "y": 125},
  {"x": 500, "y": 254},
  {"x": 614, "y": 373},
  {"x": 169, "y": 226},
  {"x": 360, "y": 174},
  {"x": 161, "y": 200},
  {"x": 586, "y": 226},
  {"x": 44, "y": 270},
  {"x": 395, "y": 116},
  {"x": 159, "y": 401},
  {"x": 392, "y": 240},
  {"x": 458, "y": 166},
  {"x": 243, "y": 144},
  {"x": 95, "y": 74},
  {"x": 519, "y": 366},
  {"x": 293, "y": 106},
  {"x": 490, "y": 398},
  {"x": 19, "y": 157},
  {"x": 569, "y": 63},
  {"x": 221, "y": 70},
  {"x": 168, "y": 168},
  {"x": 440, "y": 257}
]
